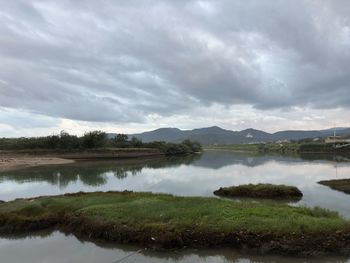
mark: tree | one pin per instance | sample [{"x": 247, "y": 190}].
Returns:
[
  {"x": 121, "y": 140},
  {"x": 135, "y": 142},
  {"x": 194, "y": 146},
  {"x": 53, "y": 142},
  {"x": 68, "y": 141},
  {"x": 94, "y": 139}
]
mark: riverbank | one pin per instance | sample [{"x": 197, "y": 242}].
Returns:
[
  {"x": 165, "y": 221},
  {"x": 10, "y": 163},
  {"x": 342, "y": 185},
  {"x": 290, "y": 148},
  {"x": 19, "y": 159},
  {"x": 283, "y": 148}
]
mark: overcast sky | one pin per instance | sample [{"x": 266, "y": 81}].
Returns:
[{"x": 130, "y": 66}]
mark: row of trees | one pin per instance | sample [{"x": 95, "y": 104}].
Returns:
[
  {"x": 95, "y": 139},
  {"x": 64, "y": 140}
]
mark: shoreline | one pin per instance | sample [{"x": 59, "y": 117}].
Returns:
[
  {"x": 11, "y": 163},
  {"x": 21, "y": 159},
  {"x": 251, "y": 150},
  {"x": 168, "y": 222}
]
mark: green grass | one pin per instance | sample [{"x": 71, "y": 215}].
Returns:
[
  {"x": 260, "y": 191},
  {"x": 160, "y": 212}
]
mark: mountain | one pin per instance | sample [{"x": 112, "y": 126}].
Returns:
[
  {"x": 162, "y": 134},
  {"x": 217, "y": 135}
]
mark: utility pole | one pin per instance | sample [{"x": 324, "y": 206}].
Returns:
[{"x": 334, "y": 136}]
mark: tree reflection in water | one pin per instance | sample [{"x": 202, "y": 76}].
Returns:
[{"x": 92, "y": 173}]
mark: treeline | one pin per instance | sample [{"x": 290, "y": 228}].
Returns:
[{"x": 95, "y": 139}]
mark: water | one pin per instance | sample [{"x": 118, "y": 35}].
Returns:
[
  {"x": 58, "y": 248},
  {"x": 190, "y": 176}
]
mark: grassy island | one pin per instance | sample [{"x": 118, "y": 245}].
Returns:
[
  {"x": 261, "y": 191},
  {"x": 161, "y": 220},
  {"x": 342, "y": 185}
]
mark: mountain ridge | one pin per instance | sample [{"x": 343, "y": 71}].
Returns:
[{"x": 218, "y": 135}]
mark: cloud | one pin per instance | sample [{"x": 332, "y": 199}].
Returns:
[{"x": 126, "y": 61}]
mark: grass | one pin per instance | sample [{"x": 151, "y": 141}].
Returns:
[
  {"x": 342, "y": 185},
  {"x": 141, "y": 210},
  {"x": 260, "y": 191},
  {"x": 173, "y": 221}
]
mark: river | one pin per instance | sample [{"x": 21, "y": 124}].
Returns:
[{"x": 190, "y": 176}]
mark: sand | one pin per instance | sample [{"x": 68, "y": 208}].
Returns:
[{"x": 8, "y": 163}]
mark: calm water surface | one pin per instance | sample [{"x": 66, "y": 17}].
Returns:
[
  {"x": 58, "y": 248},
  {"x": 191, "y": 176}
]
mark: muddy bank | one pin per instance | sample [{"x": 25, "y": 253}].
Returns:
[
  {"x": 342, "y": 185},
  {"x": 13, "y": 160}
]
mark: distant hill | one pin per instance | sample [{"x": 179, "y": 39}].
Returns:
[{"x": 217, "y": 135}]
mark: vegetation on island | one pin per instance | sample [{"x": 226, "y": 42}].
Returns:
[
  {"x": 168, "y": 221},
  {"x": 94, "y": 140},
  {"x": 342, "y": 185},
  {"x": 260, "y": 191}
]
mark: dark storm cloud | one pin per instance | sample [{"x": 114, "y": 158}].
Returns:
[{"x": 122, "y": 60}]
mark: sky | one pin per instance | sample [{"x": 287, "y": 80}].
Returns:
[{"x": 137, "y": 65}]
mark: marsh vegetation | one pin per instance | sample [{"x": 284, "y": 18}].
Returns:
[
  {"x": 168, "y": 221},
  {"x": 261, "y": 191}
]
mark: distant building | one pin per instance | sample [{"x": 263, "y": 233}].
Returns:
[
  {"x": 336, "y": 139},
  {"x": 249, "y": 135},
  {"x": 283, "y": 141}
]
